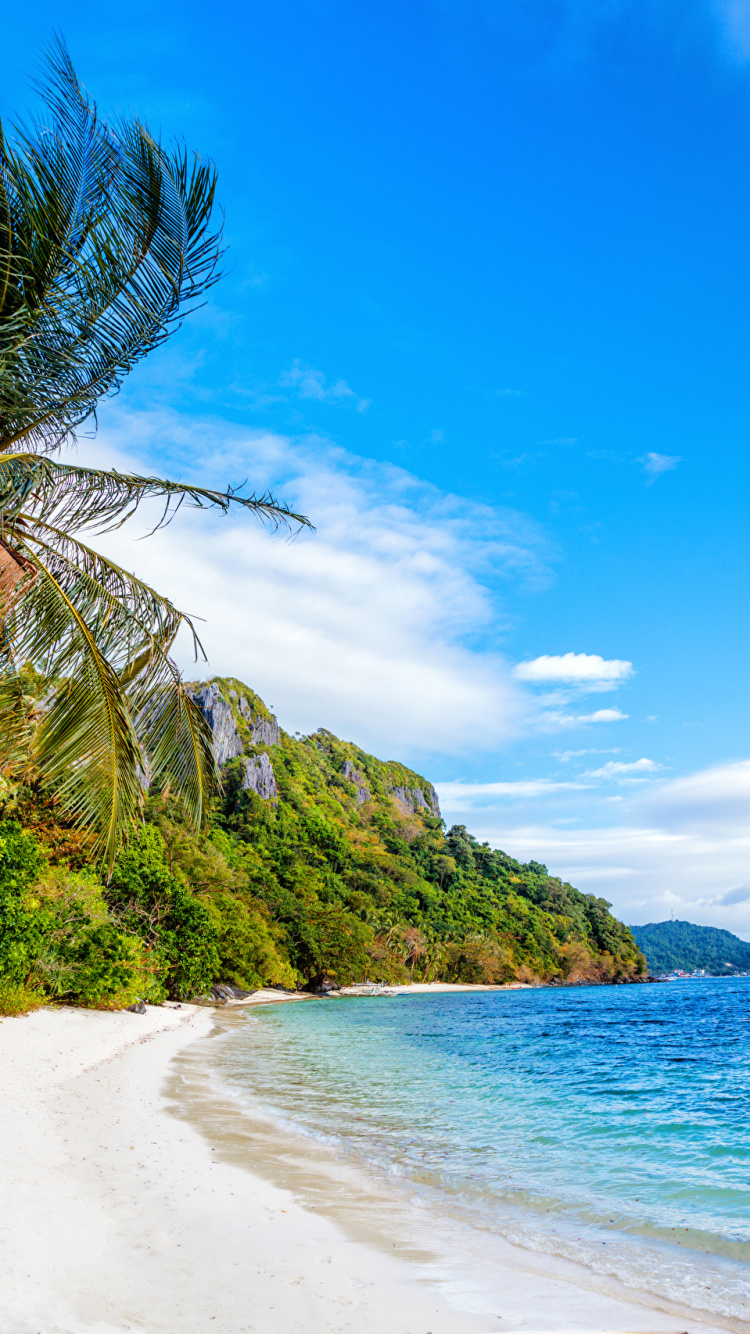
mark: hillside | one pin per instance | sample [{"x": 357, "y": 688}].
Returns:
[
  {"x": 320, "y": 862},
  {"x": 683, "y": 945},
  {"x": 328, "y": 829}
]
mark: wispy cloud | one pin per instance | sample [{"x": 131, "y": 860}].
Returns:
[
  {"x": 368, "y": 626},
  {"x": 565, "y": 755},
  {"x": 309, "y": 383},
  {"x": 616, "y": 768},
  {"x": 552, "y": 719},
  {"x": 656, "y": 464},
  {"x": 507, "y": 393},
  {"x": 602, "y": 716},
  {"x": 681, "y": 845},
  {"x": 574, "y": 667},
  {"x": 458, "y": 797}
]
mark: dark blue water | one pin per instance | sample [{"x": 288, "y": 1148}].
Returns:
[{"x": 609, "y": 1125}]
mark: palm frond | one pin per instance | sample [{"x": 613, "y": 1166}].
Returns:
[
  {"x": 105, "y": 240},
  {"x": 85, "y": 747},
  {"x": 73, "y": 497},
  {"x": 116, "y": 708}
]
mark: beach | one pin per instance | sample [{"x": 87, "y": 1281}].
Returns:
[{"x": 117, "y": 1215}]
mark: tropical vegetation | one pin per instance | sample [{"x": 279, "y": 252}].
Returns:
[{"x": 343, "y": 871}]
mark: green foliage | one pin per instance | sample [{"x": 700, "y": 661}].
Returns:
[
  {"x": 348, "y": 873},
  {"x": 87, "y": 957},
  {"x": 683, "y": 945},
  {"x": 22, "y": 929},
  {"x": 156, "y": 903},
  {"x": 325, "y": 939},
  {"x": 16, "y": 1000},
  {"x": 354, "y": 866},
  {"x": 247, "y": 945},
  {"x": 57, "y": 939}
]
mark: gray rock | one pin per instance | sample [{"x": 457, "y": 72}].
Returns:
[
  {"x": 218, "y": 714},
  {"x": 222, "y": 991},
  {"x": 413, "y": 799},
  {"x": 354, "y": 776},
  {"x": 265, "y": 731},
  {"x": 217, "y": 711},
  {"x": 260, "y": 778}
]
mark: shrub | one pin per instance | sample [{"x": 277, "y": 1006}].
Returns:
[
  {"x": 21, "y": 927},
  {"x": 106, "y": 971},
  {"x": 16, "y": 999},
  {"x": 248, "y": 951},
  {"x": 85, "y": 957},
  {"x": 479, "y": 959},
  {"x": 329, "y": 940},
  {"x": 156, "y": 904}
]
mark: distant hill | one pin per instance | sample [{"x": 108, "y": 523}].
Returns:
[{"x": 671, "y": 945}]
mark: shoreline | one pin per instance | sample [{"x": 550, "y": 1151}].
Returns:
[
  {"x": 117, "y": 1216},
  {"x": 272, "y": 995}
]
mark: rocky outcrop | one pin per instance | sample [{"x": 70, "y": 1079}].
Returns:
[
  {"x": 354, "y": 776},
  {"x": 228, "y": 743},
  {"x": 413, "y": 799},
  {"x": 265, "y": 731},
  {"x": 260, "y": 778}
]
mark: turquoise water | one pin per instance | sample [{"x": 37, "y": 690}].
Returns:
[{"x": 606, "y": 1125}]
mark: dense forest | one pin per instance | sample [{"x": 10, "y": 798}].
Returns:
[
  {"x": 685, "y": 946},
  {"x": 320, "y": 864}
]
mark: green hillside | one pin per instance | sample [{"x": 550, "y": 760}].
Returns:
[
  {"x": 683, "y": 945},
  {"x": 320, "y": 862}
]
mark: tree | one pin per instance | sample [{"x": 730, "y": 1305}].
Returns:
[{"x": 106, "y": 243}]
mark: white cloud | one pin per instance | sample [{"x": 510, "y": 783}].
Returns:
[
  {"x": 463, "y": 796},
  {"x": 565, "y": 755},
  {"x": 365, "y": 626},
  {"x": 310, "y": 383},
  {"x": 552, "y": 719},
  {"x": 614, "y": 768},
  {"x": 655, "y": 464},
  {"x": 683, "y": 845},
  {"x": 577, "y": 668},
  {"x": 602, "y": 716}
]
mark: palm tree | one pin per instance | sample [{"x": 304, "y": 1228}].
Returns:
[{"x": 106, "y": 243}]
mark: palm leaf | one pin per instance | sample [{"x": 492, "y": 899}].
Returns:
[
  {"x": 118, "y": 709},
  {"x": 85, "y": 747},
  {"x": 106, "y": 243},
  {"x": 73, "y": 497}
]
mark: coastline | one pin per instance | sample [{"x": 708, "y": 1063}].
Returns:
[{"x": 115, "y": 1215}]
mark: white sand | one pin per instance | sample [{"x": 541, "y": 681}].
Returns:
[{"x": 115, "y": 1216}]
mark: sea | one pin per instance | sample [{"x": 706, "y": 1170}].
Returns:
[{"x": 605, "y": 1127}]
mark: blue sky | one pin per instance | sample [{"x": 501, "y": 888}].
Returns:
[{"x": 487, "y": 317}]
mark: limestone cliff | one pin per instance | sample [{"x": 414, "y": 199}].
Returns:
[{"x": 244, "y": 728}]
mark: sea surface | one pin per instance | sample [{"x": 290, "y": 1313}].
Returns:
[{"x": 609, "y": 1126}]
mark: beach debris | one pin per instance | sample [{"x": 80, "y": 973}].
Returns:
[{"x": 138, "y": 1008}]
